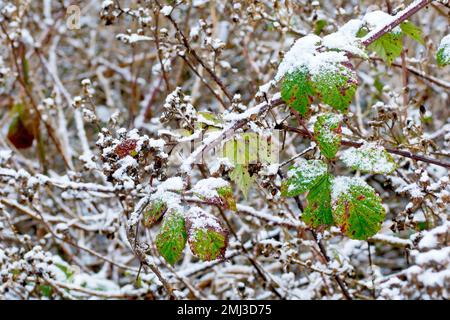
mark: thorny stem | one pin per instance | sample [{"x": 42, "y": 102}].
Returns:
[{"x": 403, "y": 15}]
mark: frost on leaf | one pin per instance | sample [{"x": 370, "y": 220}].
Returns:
[
  {"x": 302, "y": 177},
  {"x": 318, "y": 211},
  {"x": 206, "y": 236},
  {"x": 327, "y": 131},
  {"x": 336, "y": 86},
  {"x": 154, "y": 212},
  {"x": 307, "y": 71},
  {"x": 356, "y": 208},
  {"x": 443, "y": 52},
  {"x": 172, "y": 236},
  {"x": 369, "y": 158},
  {"x": 216, "y": 191}
]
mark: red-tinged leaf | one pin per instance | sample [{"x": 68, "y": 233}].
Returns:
[
  {"x": 19, "y": 134},
  {"x": 125, "y": 148},
  {"x": 207, "y": 237}
]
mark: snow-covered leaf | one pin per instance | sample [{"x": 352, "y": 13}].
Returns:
[
  {"x": 302, "y": 177},
  {"x": 307, "y": 71},
  {"x": 356, "y": 208},
  {"x": 336, "y": 86},
  {"x": 443, "y": 52},
  {"x": 206, "y": 236},
  {"x": 215, "y": 190},
  {"x": 172, "y": 236},
  {"x": 369, "y": 158},
  {"x": 327, "y": 131}
]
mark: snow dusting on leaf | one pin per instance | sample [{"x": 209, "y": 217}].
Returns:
[
  {"x": 356, "y": 208},
  {"x": 328, "y": 133},
  {"x": 370, "y": 158},
  {"x": 206, "y": 236},
  {"x": 302, "y": 177},
  {"x": 443, "y": 52}
]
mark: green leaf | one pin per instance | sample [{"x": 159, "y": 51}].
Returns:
[
  {"x": 154, "y": 212},
  {"x": 172, "y": 236},
  {"x": 356, "y": 208},
  {"x": 242, "y": 178},
  {"x": 443, "y": 52},
  {"x": 328, "y": 133},
  {"x": 302, "y": 177},
  {"x": 68, "y": 271},
  {"x": 369, "y": 158},
  {"x": 388, "y": 47},
  {"x": 413, "y": 31},
  {"x": 206, "y": 236},
  {"x": 318, "y": 211},
  {"x": 319, "y": 25},
  {"x": 336, "y": 86},
  {"x": 297, "y": 91},
  {"x": 45, "y": 290}
]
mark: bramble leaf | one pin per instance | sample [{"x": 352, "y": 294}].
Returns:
[
  {"x": 319, "y": 25},
  {"x": 336, "y": 86},
  {"x": 226, "y": 195},
  {"x": 388, "y": 47},
  {"x": 216, "y": 191},
  {"x": 23, "y": 127},
  {"x": 154, "y": 212},
  {"x": 369, "y": 158},
  {"x": 302, "y": 177},
  {"x": 327, "y": 131},
  {"x": 318, "y": 211},
  {"x": 356, "y": 208},
  {"x": 172, "y": 236},
  {"x": 413, "y": 31},
  {"x": 297, "y": 91},
  {"x": 206, "y": 236},
  {"x": 19, "y": 135},
  {"x": 443, "y": 52}
]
